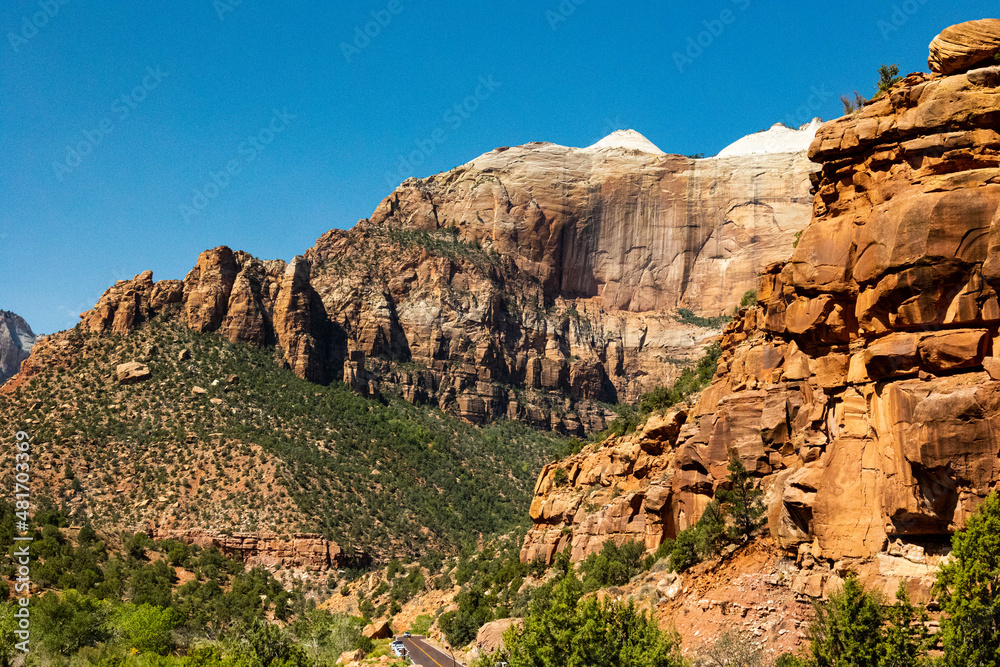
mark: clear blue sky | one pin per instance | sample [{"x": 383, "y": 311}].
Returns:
[{"x": 154, "y": 98}]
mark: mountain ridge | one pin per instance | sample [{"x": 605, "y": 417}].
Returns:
[{"x": 16, "y": 341}]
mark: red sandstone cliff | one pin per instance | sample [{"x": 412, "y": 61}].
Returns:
[{"x": 864, "y": 387}]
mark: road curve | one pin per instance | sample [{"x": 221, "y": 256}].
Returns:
[{"x": 425, "y": 655}]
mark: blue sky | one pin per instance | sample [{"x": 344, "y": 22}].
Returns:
[{"x": 137, "y": 135}]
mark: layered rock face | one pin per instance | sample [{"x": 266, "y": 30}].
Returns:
[
  {"x": 965, "y": 46},
  {"x": 864, "y": 387},
  {"x": 16, "y": 341},
  {"x": 534, "y": 283},
  {"x": 304, "y": 551}
]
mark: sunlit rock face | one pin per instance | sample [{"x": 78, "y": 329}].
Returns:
[{"x": 535, "y": 283}]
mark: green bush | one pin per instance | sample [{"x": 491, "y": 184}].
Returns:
[
  {"x": 563, "y": 628},
  {"x": 855, "y": 628},
  {"x": 742, "y": 502},
  {"x": 749, "y": 298},
  {"x": 613, "y": 566},
  {"x": 421, "y": 624},
  {"x": 145, "y": 627},
  {"x": 687, "y": 316},
  {"x": 887, "y": 77}
]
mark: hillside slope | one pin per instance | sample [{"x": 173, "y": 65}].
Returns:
[{"x": 213, "y": 435}]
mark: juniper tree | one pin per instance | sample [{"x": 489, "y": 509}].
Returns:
[{"x": 742, "y": 502}]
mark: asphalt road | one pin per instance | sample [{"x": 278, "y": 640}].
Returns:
[{"x": 425, "y": 655}]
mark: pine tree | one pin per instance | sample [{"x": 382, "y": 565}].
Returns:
[
  {"x": 906, "y": 639},
  {"x": 742, "y": 502},
  {"x": 968, "y": 589},
  {"x": 847, "y": 630}
]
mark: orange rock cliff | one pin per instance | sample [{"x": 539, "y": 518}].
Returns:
[{"x": 864, "y": 386}]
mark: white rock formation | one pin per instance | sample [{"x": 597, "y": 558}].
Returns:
[
  {"x": 779, "y": 139},
  {"x": 628, "y": 140}
]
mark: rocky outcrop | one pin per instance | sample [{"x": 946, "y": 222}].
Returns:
[
  {"x": 132, "y": 372},
  {"x": 621, "y": 490},
  {"x": 300, "y": 551},
  {"x": 16, "y": 341},
  {"x": 535, "y": 283},
  {"x": 962, "y": 47},
  {"x": 859, "y": 388}
]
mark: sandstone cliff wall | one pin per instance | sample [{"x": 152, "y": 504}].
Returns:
[
  {"x": 864, "y": 387},
  {"x": 16, "y": 341},
  {"x": 534, "y": 283}
]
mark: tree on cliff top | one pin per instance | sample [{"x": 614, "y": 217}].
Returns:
[
  {"x": 968, "y": 589},
  {"x": 742, "y": 502},
  {"x": 888, "y": 77}
]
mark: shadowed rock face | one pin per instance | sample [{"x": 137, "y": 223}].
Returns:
[
  {"x": 533, "y": 283},
  {"x": 864, "y": 387},
  {"x": 16, "y": 341}
]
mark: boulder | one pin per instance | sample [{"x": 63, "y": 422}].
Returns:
[
  {"x": 490, "y": 637},
  {"x": 351, "y": 656},
  {"x": 132, "y": 373},
  {"x": 965, "y": 46},
  {"x": 378, "y": 630}
]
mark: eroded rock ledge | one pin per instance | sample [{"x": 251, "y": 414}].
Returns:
[{"x": 306, "y": 551}]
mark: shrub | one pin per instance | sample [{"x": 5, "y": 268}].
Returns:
[
  {"x": 145, "y": 627},
  {"x": 686, "y": 316},
  {"x": 421, "y": 624},
  {"x": 852, "y": 106},
  {"x": 887, "y": 77},
  {"x": 847, "y": 629},
  {"x": 614, "y": 566},
  {"x": 562, "y": 628}
]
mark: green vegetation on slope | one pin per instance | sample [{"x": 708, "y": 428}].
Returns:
[
  {"x": 116, "y": 600},
  {"x": 565, "y": 628},
  {"x": 267, "y": 451}
]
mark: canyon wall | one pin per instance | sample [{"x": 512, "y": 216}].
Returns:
[
  {"x": 864, "y": 386},
  {"x": 536, "y": 283}
]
